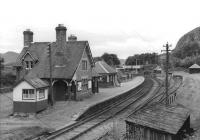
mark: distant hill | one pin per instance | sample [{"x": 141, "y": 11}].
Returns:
[
  {"x": 122, "y": 61},
  {"x": 188, "y": 44},
  {"x": 9, "y": 57}
]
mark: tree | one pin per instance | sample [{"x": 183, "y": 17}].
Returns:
[
  {"x": 111, "y": 59},
  {"x": 141, "y": 59},
  {"x": 97, "y": 59}
]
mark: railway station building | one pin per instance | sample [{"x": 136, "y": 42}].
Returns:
[
  {"x": 108, "y": 75},
  {"x": 158, "y": 122},
  {"x": 72, "y": 65}
]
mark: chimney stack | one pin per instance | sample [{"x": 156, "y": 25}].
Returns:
[
  {"x": 61, "y": 34},
  {"x": 72, "y": 38},
  {"x": 28, "y": 37}
]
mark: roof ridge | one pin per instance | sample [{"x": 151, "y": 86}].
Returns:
[{"x": 103, "y": 67}]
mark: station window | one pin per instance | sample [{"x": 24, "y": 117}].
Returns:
[
  {"x": 28, "y": 94},
  {"x": 29, "y": 64},
  {"x": 84, "y": 64},
  {"x": 84, "y": 84},
  {"x": 79, "y": 88},
  {"x": 41, "y": 93}
]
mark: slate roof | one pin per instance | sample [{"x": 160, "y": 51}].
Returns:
[
  {"x": 102, "y": 67},
  {"x": 168, "y": 119},
  {"x": 194, "y": 66},
  {"x": 35, "y": 82},
  {"x": 94, "y": 72},
  {"x": 65, "y": 59}
]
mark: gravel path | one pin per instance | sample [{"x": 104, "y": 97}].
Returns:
[{"x": 189, "y": 97}]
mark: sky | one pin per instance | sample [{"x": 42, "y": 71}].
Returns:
[{"x": 122, "y": 27}]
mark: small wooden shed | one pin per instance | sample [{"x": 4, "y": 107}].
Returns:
[
  {"x": 195, "y": 68},
  {"x": 30, "y": 95},
  {"x": 158, "y": 122}
]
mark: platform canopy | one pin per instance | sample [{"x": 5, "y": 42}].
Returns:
[{"x": 169, "y": 119}]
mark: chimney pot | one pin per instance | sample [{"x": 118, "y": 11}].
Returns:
[{"x": 72, "y": 38}]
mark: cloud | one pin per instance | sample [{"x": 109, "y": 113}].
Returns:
[{"x": 127, "y": 47}]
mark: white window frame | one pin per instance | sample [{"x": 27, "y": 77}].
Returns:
[
  {"x": 28, "y": 95},
  {"x": 41, "y": 93},
  {"x": 79, "y": 87}
]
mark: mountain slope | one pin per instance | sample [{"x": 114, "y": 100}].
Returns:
[
  {"x": 188, "y": 44},
  {"x": 9, "y": 57}
]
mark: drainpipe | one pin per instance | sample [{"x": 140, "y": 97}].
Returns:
[{"x": 35, "y": 100}]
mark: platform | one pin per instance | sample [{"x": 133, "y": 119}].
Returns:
[{"x": 65, "y": 113}]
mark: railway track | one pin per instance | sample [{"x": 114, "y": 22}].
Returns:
[
  {"x": 158, "y": 98},
  {"x": 84, "y": 125}
]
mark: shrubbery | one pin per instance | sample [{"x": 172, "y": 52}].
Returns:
[
  {"x": 8, "y": 79},
  {"x": 186, "y": 62}
]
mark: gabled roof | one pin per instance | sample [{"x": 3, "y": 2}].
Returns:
[
  {"x": 94, "y": 73},
  {"x": 102, "y": 67},
  {"x": 35, "y": 82},
  {"x": 168, "y": 119},
  {"x": 65, "y": 59},
  {"x": 194, "y": 66},
  {"x": 36, "y": 50}
]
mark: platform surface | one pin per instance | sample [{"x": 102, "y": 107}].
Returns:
[{"x": 65, "y": 112}]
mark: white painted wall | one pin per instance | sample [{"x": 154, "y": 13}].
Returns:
[{"x": 17, "y": 91}]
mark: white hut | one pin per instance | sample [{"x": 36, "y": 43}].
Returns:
[{"x": 30, "y": 95}]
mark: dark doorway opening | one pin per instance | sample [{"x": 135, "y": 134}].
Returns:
[
  {"x": 73, "y": 90},
  {"x": 60, "y": 90}
]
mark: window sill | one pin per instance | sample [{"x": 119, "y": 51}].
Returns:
[{"x": 28, "y": 99}]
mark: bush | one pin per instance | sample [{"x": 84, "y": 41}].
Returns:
[{"x": 8, "y": 79}]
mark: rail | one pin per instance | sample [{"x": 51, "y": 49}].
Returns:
[
  {"x": 119, "y": 104},
  {"x": 103, "y": 115}
]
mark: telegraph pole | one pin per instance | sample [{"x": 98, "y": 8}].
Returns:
[
  {"x": 50, "y": 73},
  {"x": 166, "y": 71}
]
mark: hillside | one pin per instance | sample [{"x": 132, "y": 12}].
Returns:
[
  {"x": 188, "y": 44},
  {"x": 9, "y": 57}
]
